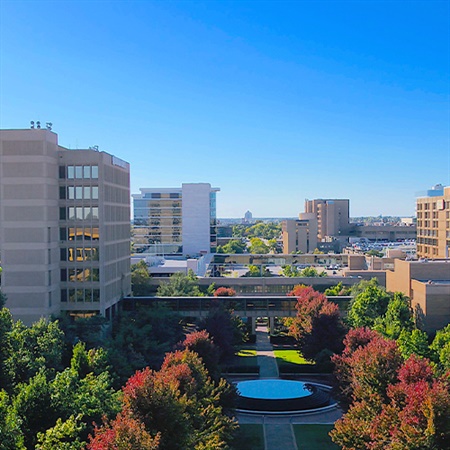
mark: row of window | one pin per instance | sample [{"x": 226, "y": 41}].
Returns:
[
  {"x": 79, "y": 254},
  {"x": 78, "y": 172},
  {"x": 85, "y": 233},
  {"x": 80, "y": 275},
  {"x": 80, "y": 295},
  {"x": 78, "y": 192},
  {"x": 79, "y": 213}
]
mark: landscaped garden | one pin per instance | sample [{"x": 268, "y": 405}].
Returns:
[{"x": 249, "y": 437}]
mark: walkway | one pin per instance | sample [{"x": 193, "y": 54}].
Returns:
[{"x": 278, "y": 431}]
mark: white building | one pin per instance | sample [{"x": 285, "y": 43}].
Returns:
[{"x": 175, "y": 220}]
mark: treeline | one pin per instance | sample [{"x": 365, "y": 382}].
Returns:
[
  {"x": 61, "y": 382},
  {"x": 391, "y": 378}
]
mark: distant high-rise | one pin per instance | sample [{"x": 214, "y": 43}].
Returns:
[
  {"x": 248, "y": 217},
  {"x": 333, "y": 216},
  {"x": 433, "y": 223},
  {"x": 176, "y": 220},
  {"x": 64, "y": 227},
  {"x": 300, "y": 235}
]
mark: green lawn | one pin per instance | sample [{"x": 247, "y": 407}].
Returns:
[
  {"x": 314, "y": 437},
  {"x": 249, "y": 437},
  {"x": 290, "y": 356},
  {"x": 246, "y": 352}
]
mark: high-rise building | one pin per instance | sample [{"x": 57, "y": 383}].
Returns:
[
  {"x": 300, "y": 234},
  {"x": 175, "y": 220},
  {"x": 433, "y": 223},
  {"x": 64, "y": 227},
  {"x": 333, "y": 216}
]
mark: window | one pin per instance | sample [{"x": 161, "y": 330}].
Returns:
[
  {"x": 62, "y": 213},
  {"x": 79, "y": 172},
  {"x": 71, "y": 172},
  {"x": 62, "y": 193},
  {"x": 87, "y": 172},
  {"x": 94, "y": 172},
  {"x": 95, "y": 192},
  {"x": 87, "y": 192},
  {"x": 62, "y": 172}
]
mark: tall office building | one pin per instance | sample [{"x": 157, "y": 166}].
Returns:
[
  {"x": 175, "y": 220},
  {"x": 433, "y": 223},
  {"x": 333, "y": 216},
  {"x": 64, "y": 227},
  {"x": 300, "y": 234}
]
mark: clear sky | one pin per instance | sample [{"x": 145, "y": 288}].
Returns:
[{"x": 272, "y": 101}]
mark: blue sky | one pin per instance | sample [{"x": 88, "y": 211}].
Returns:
[{"x": 272, "y": 101}]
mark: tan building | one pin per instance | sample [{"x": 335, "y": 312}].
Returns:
[
  {"x": 332, "y": 215},
  {"x": 64, "y": 227},
  {"x": 433, "y": 223},
  {"x": 427, "y": 284},
  {"x": 300, "y": 235}
]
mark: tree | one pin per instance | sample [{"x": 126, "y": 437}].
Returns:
[
  {"x": 337, "y": 290},
  {"x": 225, "y": 329},
  {"x": 398, "y": 317},
  {"x": 257, "y": 246},
  {"x": 413, "y": 342},
  {"x": 180, "y": 285},
  {"x": 11, "y": 436},
  {"x": 318, "y": 325},
  {"x": 368, "y": 305},
  {"x": 65, "y": 435},
  {"x": 290, "y": 271},
  {"x": 224, "y": 292},
  {"x": 441, "y": 348},
  {"x": 140, "y": 279},
  {"x": 411, "y": 414},
  {"x": 311, "y": 272},
  {"x": 233, "y": 246},
  {"x": 367, "y": 365}
]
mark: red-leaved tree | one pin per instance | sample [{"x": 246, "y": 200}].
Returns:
[
  {"x": 318, "y": 325},
  {"x": 224, "y": 292}
]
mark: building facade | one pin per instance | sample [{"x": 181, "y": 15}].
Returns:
[
  {"x": 433, "y": 223},
  {"x": 179, "y": 221},
  {"x": 333, "y": 216},
  {"x": 300, "y": 235},
  {"x": 64, "y": 227}
]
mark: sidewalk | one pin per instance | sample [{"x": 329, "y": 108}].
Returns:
[{"x": 278, "y": 431}]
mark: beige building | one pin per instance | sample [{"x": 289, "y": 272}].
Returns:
[
  {"x": 300, "y": 235},
  {"x": 64, "y": 227},
  {"x": 427, "y": 284},
  {"x": 332, "y": 215},
  {"x": 433, "y": 223}
]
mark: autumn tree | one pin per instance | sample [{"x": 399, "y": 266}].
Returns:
[
  {"x": 224, "y": 292},
  {"x": 317, "y": 325}
]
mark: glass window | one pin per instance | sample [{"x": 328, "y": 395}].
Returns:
[
  {"x": 95, "y": 212},
  {"x": 63, "y": 254},
  {"x": 87, "y": 172},
  {"x": 62, "y": 172},
  {"x": 79, "y": 172},
  {"x": 63, "y": 274},
  {"x": 95, "y": 233},
  {"x": 70, "y": 172},
  {"x": 79, "y": 213},
  {"x": 94, "y": 172},
  {"x": 71, "y": 192},
  {"x": 95, "y": 295},
  {"x": 62, "y": 213},
  {"x": 87, "y": 192},
  {"x": 62, "y": 192},
  {"x": 72, "y": 213},
  {"x": 63, "y": 234},
  {"x": 64, "y": 295},
  {"x": 95, "y": 192},
  {"x": 79, "y": 192}
]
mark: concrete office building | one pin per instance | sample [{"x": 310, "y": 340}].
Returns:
[
  {"x": 427, "y": 284},
  {"x": 433, "y": 223},
  {"x": 180, "y": 221},
  {"x": 333, "y": 216},
  {"x": 64, "y": 227},
  {"x": 300, "y": 234}
]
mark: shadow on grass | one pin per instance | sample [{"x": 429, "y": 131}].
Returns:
[
  {"x": 314, "y": 437},
  {"x": 249, "y": 437}
]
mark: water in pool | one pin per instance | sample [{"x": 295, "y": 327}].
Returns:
[{"x": 273, "y": 389}]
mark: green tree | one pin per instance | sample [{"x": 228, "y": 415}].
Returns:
[
  {"x": 6, "y": 325},
  {"x": 337, "y": 290},
  {"x": 258, "y": 246},
  {"x": 367, "y": 306},
  {"x": 65, "y": 435},
  {"x": 441, "y": 348},
  {"x": 11, "y": 436},
  {"x": 180, "y": 285},
  {"x": 290, "y": 271},
  {"x": 398, "y": 317},
  {"x": 233, "y": 246},
  {"x": 414, "y": 342},
  {"x": 312, "y": 272},
  {"x": 140, "y": 279}
]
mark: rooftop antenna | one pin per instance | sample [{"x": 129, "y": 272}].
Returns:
[
  {"x": 49, "y": 126},
  {"x": 38, "y": 124},
  {"x": 94, "y": 147},
  {"x": 32, "y": 124}
]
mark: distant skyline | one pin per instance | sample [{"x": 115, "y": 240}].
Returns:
[{"x": 273, "y": 102}]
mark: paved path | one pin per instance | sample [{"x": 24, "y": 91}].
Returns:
[{"x": 278, "y": 431}]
